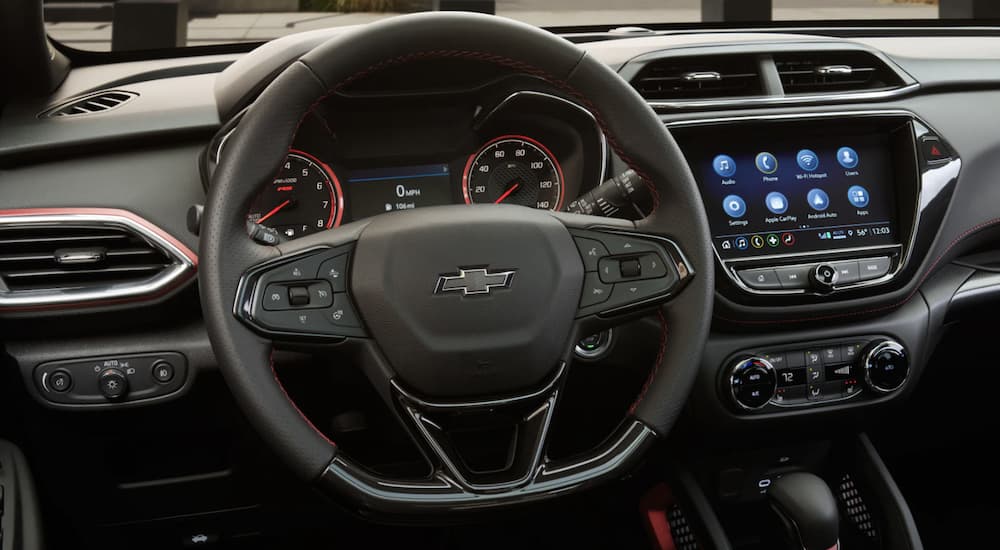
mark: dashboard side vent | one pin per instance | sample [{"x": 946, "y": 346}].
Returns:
[
  {"x": 90, "y": 104},
  {"x": 50, "y": 260},
  {"x": 834, "y": 71},
  {"x": 702, "y": 77}
]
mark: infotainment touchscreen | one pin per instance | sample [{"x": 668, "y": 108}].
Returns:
[{"x": 770, "y": 194}]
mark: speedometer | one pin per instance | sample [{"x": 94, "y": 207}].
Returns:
[
  {"x": 514, "y": 170},
  {"x": 305, "y": 197}
]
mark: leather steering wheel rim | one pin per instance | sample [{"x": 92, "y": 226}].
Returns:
[{"x": 263, "y": 138}]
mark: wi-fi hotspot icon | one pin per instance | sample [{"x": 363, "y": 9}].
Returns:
[{"x": 807, "y": 160}]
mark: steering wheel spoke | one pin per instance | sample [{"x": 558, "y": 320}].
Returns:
[
  {"x": 485, "y": 445},
  {"x": 628, "y": 272},
  {"x": 303, "y": 293}
]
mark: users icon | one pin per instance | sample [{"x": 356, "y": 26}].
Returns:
[{"x": 847, "y": 157}]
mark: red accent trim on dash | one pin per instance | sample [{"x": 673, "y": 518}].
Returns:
[
  {"x": 536, "y": 143},
  {"x": 336, "y": 194},
  {"x": 181, "y": 247},
  {"x": 653, "y": 506}
]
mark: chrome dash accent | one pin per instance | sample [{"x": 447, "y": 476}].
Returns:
[{"x": 182, "y": 268}]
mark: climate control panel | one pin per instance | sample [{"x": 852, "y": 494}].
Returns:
[{"x": 814, "y": 374}]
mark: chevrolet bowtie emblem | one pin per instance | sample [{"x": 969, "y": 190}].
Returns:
[{"x": 474, "y": 281}]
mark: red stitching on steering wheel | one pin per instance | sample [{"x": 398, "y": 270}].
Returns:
[{"x": 519, "y": 66}]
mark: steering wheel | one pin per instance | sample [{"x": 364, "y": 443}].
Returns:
[{"x": 457, "y": 311}]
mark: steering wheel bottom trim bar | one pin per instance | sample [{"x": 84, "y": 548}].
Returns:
[{"x": 442, "y": 495}]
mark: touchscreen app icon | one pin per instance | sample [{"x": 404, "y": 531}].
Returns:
[
  {"x": 776, "y": 202},
  {"x": 724, "y": 165},
  {"x": 807, "y": 160},
  {"x": 847, "y": 157},
  {"x": 858, "y": 196},
  {"x": 766, "y": 163},
  {"x": 734, "y": 206},
  {"x": 818, "y": 199}
]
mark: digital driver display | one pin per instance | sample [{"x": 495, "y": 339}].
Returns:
[
  {"x": 778, "y": 196},
  {"x": 372, "y": 191}
]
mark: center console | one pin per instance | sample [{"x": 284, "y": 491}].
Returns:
[{"x": 815, "y": 205}]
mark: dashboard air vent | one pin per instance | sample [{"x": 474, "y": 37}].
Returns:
[
  {"x": 33, "y": 258},
  {"x": 834, "y": 71},
  {"x": 704, "y": 77},
  {"x": 51, "y": 258},
  {"x": 90, "y": 104}
]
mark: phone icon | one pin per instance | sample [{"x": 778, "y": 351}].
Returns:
[{"x": 766, "y": 163}]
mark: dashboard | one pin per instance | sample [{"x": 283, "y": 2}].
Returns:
[{"x": 839, "y": 223}]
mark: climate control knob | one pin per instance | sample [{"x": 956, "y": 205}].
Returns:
[
  {"x": 752, "y": 382},
  {"x": 885, "y": 366}
]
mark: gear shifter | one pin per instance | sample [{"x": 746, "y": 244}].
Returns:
[{"x": 808, "y": 510}]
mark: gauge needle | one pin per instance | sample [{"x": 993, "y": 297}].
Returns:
[
  {"x": 507, "y": 193},
  {"x": 274, "y": 210}
]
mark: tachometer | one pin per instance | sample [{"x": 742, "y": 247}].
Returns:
[
  {"x": 514, "y": 170},
  {"x": 303, "y": 198}
]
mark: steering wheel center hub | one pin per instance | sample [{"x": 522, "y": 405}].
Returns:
[{"x": 467, "y": 301}]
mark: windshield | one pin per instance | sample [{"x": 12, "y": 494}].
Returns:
[{"x": 115, "y": 25}]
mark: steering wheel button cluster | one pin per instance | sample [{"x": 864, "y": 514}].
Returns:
[
  {"x": 275, "y": 297},
  {"x": 623, "y": 271}
]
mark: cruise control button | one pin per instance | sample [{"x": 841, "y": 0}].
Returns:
[
  {"x": 300, "y": 270},
  {"x": 301, "y": 321},
  {"x": 873, "y": 268},
  {"x": 275, "y": 298},
  {"x": 320, "y": 294},
  {"x": 760, "y": 278},
  {"x": 334, "y": 270},
  {"x": 847, "y": 272},
  {"x": 341, "y": 313},
  {"x": 594, "y": 291},
  {"x": 794, "y": 277},
  {"x": 652, "y": 266}
]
